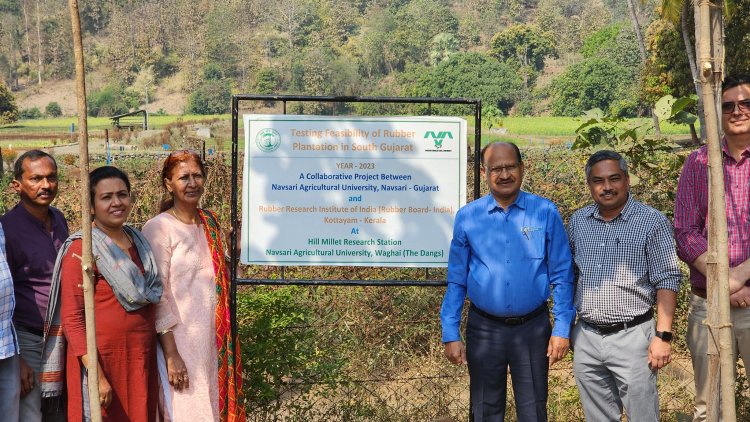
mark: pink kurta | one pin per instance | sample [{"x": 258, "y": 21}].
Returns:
[{"x": 188, "y": 306}]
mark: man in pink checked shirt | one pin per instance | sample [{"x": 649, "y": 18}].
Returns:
[{"x": 691, "y": 210}]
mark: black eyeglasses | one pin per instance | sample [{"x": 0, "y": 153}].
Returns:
[{"x": 729, "y": 106}]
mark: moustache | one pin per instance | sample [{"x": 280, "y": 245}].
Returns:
[{"x": 45, "y": 192}]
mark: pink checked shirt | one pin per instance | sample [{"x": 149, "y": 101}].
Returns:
[{"x": 691, "y": 209}]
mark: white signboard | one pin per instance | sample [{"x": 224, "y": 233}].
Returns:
[{"x": 320, "y": 190}]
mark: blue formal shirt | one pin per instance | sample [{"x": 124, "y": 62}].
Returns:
[{"x": 506, "y": 260}]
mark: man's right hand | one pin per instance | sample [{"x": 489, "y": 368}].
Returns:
[
  {"x": 27, "y": 378},
  {"x": 455, "y": 352},
  {"x": 740, "y": 298}
]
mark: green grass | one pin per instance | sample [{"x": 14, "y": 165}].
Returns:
[
  {"x": 523, "y": 131},
  {"x": 566, "y": 126},
  {"x": 62, "y": 124}
]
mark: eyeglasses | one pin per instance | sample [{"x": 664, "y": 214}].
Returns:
[
  {"x": 729, "y": 106},
  {"x": 501, "y": 169}
]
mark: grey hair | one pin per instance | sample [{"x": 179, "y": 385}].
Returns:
[{"x": 605, "y": 155}]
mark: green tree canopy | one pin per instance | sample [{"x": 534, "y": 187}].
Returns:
[
  {"x": 111, "y": 100},
  {"x": 211, "y": 97},
  {"x": 472, "y": 75},
  {"x": 618, "y": 43},
  {"x": 524, "y": 46},
  {"x": 53, "y": 109},
  {"x": 8, "y": 108},
  {"x": 593, "y": 83}
]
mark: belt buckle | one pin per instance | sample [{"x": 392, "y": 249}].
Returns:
[{"x": 514, "y": 321}]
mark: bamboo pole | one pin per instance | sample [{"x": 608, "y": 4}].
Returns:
[
  {"x": 86, "y": 255},
  {"x": 721, "y": 355}
]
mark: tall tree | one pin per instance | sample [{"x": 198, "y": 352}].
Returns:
[
  {"x": 26, "y": 33},
  {"x": 40, "y": 50},
  {"x": 525, "y": 47},
  {"x": 8, "y": 108},
  {"x": 644, "y": 57}
]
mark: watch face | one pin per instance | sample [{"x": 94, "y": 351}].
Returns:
[{"x": 664, "y": 335}]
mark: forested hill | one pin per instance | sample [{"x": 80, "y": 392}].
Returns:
[{"x": 520, "y": 56}]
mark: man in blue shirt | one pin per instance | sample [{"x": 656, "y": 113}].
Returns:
[{"x": 508, "y": 248}]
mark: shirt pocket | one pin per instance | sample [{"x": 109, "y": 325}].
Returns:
[{"x": 532, "y": 242}]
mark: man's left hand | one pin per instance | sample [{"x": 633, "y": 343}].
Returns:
[
  {"x": 659, "y": 353},
  {"x": 557, "y": 349}
]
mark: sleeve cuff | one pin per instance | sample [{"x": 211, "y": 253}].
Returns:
[{"x": 166, "y": 322}]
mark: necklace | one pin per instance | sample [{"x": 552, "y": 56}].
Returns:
[{"x": 192, "y": 220}]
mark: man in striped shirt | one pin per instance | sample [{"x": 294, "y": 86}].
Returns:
[
  {"x": 691, "y": 210},
  {"x": 625, "y": 263}
]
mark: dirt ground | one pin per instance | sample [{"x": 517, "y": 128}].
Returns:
[{"x": 64, "y": 93}]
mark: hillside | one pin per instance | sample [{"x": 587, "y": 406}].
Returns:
[
  {"x": 64, "y": 93},
  {"x": 521, "y": 57}
]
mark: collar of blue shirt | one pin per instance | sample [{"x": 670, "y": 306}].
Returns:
[{"x": 492, "y": 204}]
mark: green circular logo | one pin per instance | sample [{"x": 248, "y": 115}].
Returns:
[{"x": 268, "y": 140}]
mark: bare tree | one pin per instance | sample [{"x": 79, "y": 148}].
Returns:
[
  {"x": 644, "y": 56},
  {"x": 40, "y": 50},
  {"x": 87, "y": 258},
  {"x": 26, "y": 33}
]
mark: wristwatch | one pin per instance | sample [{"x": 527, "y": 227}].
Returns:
[{"x": 664, "y": 335}]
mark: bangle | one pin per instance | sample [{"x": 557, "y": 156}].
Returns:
[{"x": 168, "y": 330}]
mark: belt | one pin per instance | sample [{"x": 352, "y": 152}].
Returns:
[
  {"x": 512, "y": 320},
  {"x": 26, "y": 329},
  {"x": 698, "y": 291},
  {"x": 619, "y": 326}
]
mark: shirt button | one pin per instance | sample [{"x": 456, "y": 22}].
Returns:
[
  {"x": 601, "y": 244},
  {"x": 507, "y": 241},
  {"x": 507, "y": 261},
  {"x": 598, "y": 265}
]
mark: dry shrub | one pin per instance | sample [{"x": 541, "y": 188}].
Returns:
[{"x": 9, "y": 156}]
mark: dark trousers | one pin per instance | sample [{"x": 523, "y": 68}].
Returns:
[{"x": 492, "y": 347}]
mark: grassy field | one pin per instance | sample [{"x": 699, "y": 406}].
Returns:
[
  {"x": 523, "y": 131},
  {"x": 62, "y": 124},
  {"x": 523, "y": 126}
]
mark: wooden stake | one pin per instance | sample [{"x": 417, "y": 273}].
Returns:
[
  {"x": 721, "y": 356},
  {"x": 87, "y": 256}
]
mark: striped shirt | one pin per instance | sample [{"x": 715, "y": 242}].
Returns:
[
  {"x": 691, "y": 209},
  {"x": 8, "y": 342},
  {"x": 620, "y": 264}
]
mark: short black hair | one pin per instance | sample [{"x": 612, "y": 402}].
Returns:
[
  {"x": 732, "y": 81},
  {"x": 106, "y": 172},
  {"x": 33, "y": 155},
  {"x": 604, "y": 155},
  {"x": 511, "y": 144}
]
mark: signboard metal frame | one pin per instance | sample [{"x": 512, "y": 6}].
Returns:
[{"x": 236, "y": 99}]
